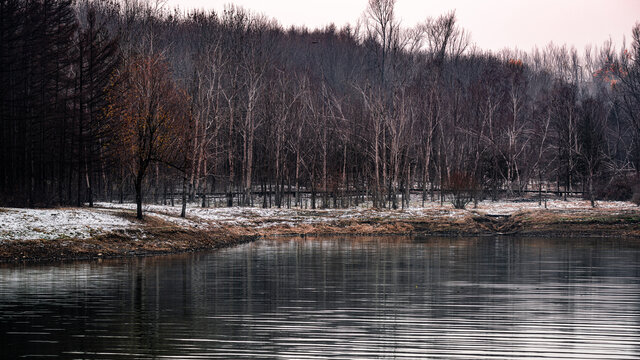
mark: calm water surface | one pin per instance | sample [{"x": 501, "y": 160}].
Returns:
[{"x": 335, "y": 298}]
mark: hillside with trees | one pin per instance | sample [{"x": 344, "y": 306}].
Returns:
[{"x": 123, "y": 101}]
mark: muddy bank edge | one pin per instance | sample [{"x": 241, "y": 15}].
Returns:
[{"x": 173, "y": 239}]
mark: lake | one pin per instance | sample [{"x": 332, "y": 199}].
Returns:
[{"x": 335, "y": 297}]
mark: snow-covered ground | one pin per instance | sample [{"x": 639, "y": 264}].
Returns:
[
  {"x": 570, "y": 206},
  {"x": 25, "y": 224},
  {"x": 256, "y": 216},
  {"x": 273, "y": 216},
  {"x": 22, "y": 224}
]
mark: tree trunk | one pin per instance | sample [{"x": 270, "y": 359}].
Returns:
[
  {"x": 539, "y": 188},
  {"x": 591, "y": 195},
  {"x": 407, "y": 189},
  {"x": 89, "y": 191},
  {"x": 376, "y": 155},
  {"x": 138, "y": 186},
  {"x": 230, "y": 158},
  {"x": 278, "y": 175},
  {"x": 249, "y": 168},
  {"x": 204, "y": 181},
  {"x": 298, "y": 179},
  {"x": 324, "y": 165},
  {"x": 425, "y": 177},
  {"x": 183, "y": 212}
]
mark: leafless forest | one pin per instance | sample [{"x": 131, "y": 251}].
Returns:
[{"x": 127, "y": 100}]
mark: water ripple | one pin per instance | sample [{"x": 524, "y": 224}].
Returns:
[{"x": 335, "y": 298}]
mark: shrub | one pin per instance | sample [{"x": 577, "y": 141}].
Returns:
[
  {"x": 462, "y": 187},
  {"x": 620, "y": 189},
  {"x": 636, "y": 196}
]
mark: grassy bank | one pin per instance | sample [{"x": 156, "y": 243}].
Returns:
[{"x": 111, "y": 230}]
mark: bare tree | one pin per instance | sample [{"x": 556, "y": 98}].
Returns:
[{"x": 151, "y": 112}]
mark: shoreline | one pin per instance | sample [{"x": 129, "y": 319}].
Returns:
[{"x": 113, "y": 231}]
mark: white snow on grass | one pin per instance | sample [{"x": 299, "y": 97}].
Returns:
[
  {"x": 22, "y": 224},
  {"x": 569, "y": 206},
  {"x": 264, "y": 218},
  {"x": 27, "y": 224}
]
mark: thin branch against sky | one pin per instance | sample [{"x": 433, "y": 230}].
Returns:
[{"x": 494, "y": 24}]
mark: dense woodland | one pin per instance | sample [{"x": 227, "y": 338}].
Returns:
[{"x": 114, "y": 100}]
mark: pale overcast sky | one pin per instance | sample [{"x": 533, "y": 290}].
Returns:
[{"x": 494, "y": 24}]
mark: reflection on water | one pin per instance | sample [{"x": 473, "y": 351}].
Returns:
[{"x": 335, "y": 297}]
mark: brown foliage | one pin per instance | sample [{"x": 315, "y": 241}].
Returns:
[
  {"x": 462, "y": 186},
  {"x": 149, "y": 112}
]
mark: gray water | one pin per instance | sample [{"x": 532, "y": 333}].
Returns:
[{"x": 335, "y": 298}]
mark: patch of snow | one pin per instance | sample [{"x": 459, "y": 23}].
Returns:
[{"x": 26, "y": 224}]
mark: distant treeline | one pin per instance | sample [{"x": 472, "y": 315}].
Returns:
[{"x": 100, "y": 99}]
